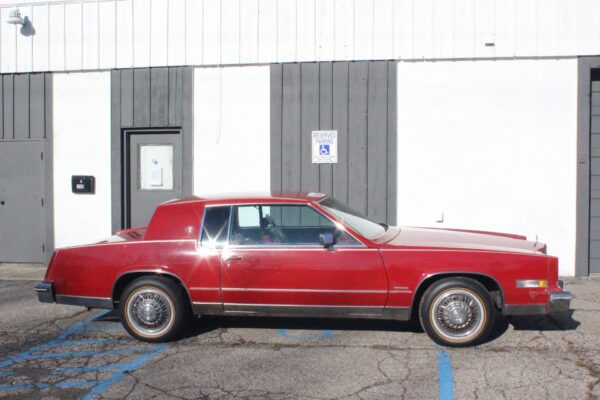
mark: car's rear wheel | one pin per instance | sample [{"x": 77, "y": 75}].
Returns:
[
  {"x": 154, "y": 309},
  {"x": 457, "y": 312}
]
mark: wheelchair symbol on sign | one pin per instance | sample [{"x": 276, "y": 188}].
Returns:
[{"x": 324, "y": 149}]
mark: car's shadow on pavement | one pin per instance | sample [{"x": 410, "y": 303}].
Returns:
[
  {"x": 560, "y": 322},
  {"x": 207, "y": 324}
]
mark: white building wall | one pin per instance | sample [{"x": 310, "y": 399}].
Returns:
[
  {"x": 492, "y": 146},
  {"x": 81, "y": 146},
  {"x": 232, "y": 130},
  {"x": 83, "y": 34}
]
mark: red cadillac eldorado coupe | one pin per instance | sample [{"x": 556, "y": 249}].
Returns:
[{"x": 303, "y": 255}]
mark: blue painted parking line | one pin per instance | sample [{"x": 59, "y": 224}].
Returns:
[
  {"x": 445, "y": 380},
  {"x": 117, "y": 376},
  {"x": 324, "y": 335},
  {"x": 62, "y": 342},
  {"x": 72, "y": 343},
  {"x": 66, "y": 385},
  {"x": 54, "y": 342}
]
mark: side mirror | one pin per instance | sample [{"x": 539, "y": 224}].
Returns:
[{"x": 326, "y": 240}]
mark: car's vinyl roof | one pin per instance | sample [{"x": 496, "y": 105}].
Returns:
[{"x": 250, "y": 197}]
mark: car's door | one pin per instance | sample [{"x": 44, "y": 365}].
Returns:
[
  {"x": 204, "y": 281},
  {"x": 274, "y": 264}
]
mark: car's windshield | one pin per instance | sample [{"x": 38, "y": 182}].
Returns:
[{"x": 354, "y": 220}]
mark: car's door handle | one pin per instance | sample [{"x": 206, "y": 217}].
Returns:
[{"x": 232, "y": 257}]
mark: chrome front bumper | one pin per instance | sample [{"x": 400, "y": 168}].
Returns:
[{"x": 560, "y": 302}]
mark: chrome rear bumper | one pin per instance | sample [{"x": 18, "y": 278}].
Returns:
[{"x": 45, "y": 292}]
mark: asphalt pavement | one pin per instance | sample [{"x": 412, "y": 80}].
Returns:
[{"x": 63, "y": 352}]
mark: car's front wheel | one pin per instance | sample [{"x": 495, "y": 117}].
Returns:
[
  {"x": 457, "y": 312},
  {"x": 153, "y": 309}
]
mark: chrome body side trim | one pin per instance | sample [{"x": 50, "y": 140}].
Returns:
[
  {"x": 84, "y": 301},
  {"x": 302, "y": 310},
  {"x": 302, "y": 290},
  {"x": 299, "y": 310}
]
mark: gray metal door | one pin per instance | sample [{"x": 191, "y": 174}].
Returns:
[
  {"x": 22, "y": 218},
  {"x": 154, "y": 175},
  {"x": 595, "y": 179}
]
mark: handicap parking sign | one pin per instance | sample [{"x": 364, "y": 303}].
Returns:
[{"x": 324, "y": 147}]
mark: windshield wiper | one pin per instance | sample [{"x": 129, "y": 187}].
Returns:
[{"x": 385, "y": 226}]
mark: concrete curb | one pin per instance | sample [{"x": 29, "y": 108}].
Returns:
[{"x": 22, "y": 272}]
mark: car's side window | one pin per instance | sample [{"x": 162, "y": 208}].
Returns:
[
  {"x": 216, "y": 224},
  {"x": 272, "y": 225}
]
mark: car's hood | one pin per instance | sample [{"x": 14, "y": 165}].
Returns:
[{"x": 460, "y": 239}]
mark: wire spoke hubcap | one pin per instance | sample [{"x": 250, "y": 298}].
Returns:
[
  {"x": 458, "y": 314},
  {"x": 150, "y": 311}
]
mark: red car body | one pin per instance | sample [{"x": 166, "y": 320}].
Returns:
[{"x": 380, "y": 278}]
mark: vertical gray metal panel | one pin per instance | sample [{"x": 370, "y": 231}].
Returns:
[
  {"x": 326, "y": 122},
  {"x": 21, "y": 110},
  {"x": 1, "y": 109},
  {"x": 340, "y": 123},
  {"x": 175, "y": 95},
  {"x": 8, "y": 106},
  {"x": 358, "y": 99},
  {"x": 584, "y": 86},
  {"x": 126, "y": 97},
  {"x": 392, "y": 144},
  {"x": 291, "y": 132},
  {"x": 187, "y": 128},
  {"x": 357, "y": 136},
  {"x": 141, "y": 97},
  {"x": 377, "y": 141},
  {"x": 36, "y": 104},
  {"x": 116, "y": 121},
  {"x": 159, "y": 92},
  {"x": 48, "y": 157},
  {"x": 276, "y": 125},
  {"x": 309, "y": 172},
  {"x": 595, "y": 124}
]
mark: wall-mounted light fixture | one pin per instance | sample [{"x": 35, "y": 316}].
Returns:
[{"x": 14, "y": 17}]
